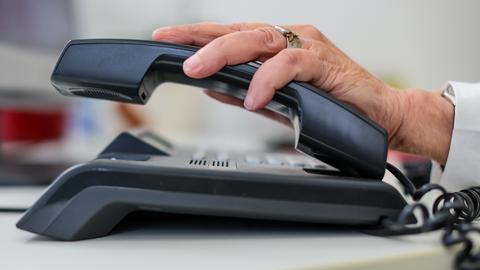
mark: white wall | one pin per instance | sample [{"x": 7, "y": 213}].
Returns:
[
  {"x": 421, "y": 43},
  {"x": 427, "y": 42}
]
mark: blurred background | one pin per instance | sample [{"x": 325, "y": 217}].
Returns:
[{"x": 408, "y": 43}]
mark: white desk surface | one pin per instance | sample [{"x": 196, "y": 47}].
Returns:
[{"x": 200, "y": 244}]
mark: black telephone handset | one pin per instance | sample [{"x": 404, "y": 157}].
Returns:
[{"x": 130, "y": 70}]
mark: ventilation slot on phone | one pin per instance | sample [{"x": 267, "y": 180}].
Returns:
[
  {"x": 100, "y": 93},
  {"x": 221, "y": 164},
  {"x": 198, "y": 162},
  {"x": 212, "y": 164}
]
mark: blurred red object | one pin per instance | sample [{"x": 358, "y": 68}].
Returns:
[{"x": 31, "y": 126}]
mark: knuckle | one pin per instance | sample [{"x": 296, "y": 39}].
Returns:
[
  {"x": 291, "y": 56},
  {"x": 237, "y": 26},
  {"x": 311, "y": 31},
  {"x": 270, "y": 85},
  {"x": 224, "y": 43},
  {"x": 268, "y": 37},
  {"x": 309, "y": 45},
  {"x": 308, "y": 27},
  {"x": 218, "y": 49},
  {"x": 265, "y": 81},
  {"x": 262, "y": 80},
  {"x": 219, "y": 43},
  {"x": 193, "y": 29}
]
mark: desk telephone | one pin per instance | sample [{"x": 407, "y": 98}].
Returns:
[{"x": 336, "y": 181}]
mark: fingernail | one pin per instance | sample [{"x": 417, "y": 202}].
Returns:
[
  {"x": 161, "y": 29},
  {"x": 249, "y": 102},
  {"x": 192, "y": 64}
]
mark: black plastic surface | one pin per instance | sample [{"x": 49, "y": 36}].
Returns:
[
  {"x": 130, "y": 70},
  {"x": 138, "y": 142},
  {"x": 89, "y": 200}
]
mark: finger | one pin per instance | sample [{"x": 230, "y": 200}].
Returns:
[
  {"x": 239, "y": 103},
  {"x": 236, "y": 48},
  {"x": 275, "y": 73},
  {"x": 200, "y": 34}
]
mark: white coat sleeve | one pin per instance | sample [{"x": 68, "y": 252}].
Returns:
[{"x": 462, "y": 169}]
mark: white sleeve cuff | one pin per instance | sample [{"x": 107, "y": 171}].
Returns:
[{"x": 463, "y": 164}]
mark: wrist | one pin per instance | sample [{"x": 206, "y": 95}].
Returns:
[{"x": 424, "y": 124}]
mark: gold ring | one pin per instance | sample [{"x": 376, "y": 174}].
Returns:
[{"x": 293, "y": 41}]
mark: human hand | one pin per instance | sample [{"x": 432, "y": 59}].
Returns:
[{"x": 319, "y": 62}]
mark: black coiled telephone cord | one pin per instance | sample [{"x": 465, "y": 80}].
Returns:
[{"x": 454, "y": 212}]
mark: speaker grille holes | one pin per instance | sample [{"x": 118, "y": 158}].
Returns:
[
  {"x": 100, "y": 93},
  {"x": 217, "y": 163},
  {"x": 198, "y": 162},
  {"x": 211, "y": 164}
]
